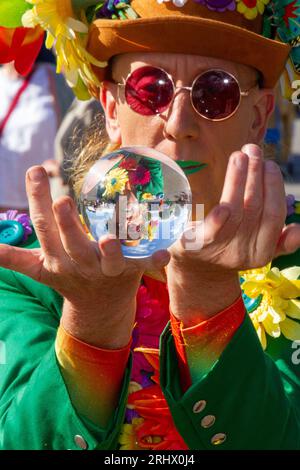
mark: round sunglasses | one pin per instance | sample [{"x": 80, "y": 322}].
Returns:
[{"x": 215, "y": 94}]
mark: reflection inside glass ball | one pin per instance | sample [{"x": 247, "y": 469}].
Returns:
[{"x": 138, "y": 195}]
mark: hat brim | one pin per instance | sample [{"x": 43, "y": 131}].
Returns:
[{"x": 188, "y": 35}]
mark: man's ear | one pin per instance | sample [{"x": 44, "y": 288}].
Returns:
[
  {"x": 108, "y": 100},
  {"x": 264, "y": 105}
]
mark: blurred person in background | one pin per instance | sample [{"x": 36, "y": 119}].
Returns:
[
  {"x": 81, "y": 117},
  {"x": 31, "y": 110}
]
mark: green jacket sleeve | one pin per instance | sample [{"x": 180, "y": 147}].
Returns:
[
  {"x": 35, "y": 409},
  {"x": 250, "y": 399}
]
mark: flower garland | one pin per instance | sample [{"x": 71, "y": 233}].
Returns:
[
  {"x": 67, "y": 23},
  {"x": 68, "y": 36},
  {"x": 249, "y": 8},
  {"x": 21, "y": 46},
  {"x": 149, "y": 423}
]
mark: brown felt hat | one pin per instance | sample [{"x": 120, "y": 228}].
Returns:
[{"x": 191, "y": 29}]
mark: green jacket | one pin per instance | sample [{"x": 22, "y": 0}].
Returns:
[{"x": 254, "y": 395}]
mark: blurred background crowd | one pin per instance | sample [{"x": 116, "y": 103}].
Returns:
[{"x": 41, "y": 123}]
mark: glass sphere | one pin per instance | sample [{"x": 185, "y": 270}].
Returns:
[{"x": 140, "y": 196}]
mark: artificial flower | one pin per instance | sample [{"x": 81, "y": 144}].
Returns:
[
  {"x": 251, "y": 8},
  {"x": 177, "y": 3},
  {"x": 286, "y": 16},
  {"x": 297, "y": 207},
  {"x": 157, "y": 431},
  {"x": 147, "y": 196},
  {"x": 215, "y": 5},
  {"x": 69, "y": 38},
  {"x": 278, "y": 308},
  {"x": 23, "y": 219},
  {"x": 127, "y": 437},
  {"x": 128, "y": 163},
  {"x": 140, "y": 176},
  {"x": 115, "y": 182},
  {"x": 21, "y": 46},
  {"x": 290, "y": 203},
  {"x": 115, "y": 9},
  {"x": 218, "y": 5}
]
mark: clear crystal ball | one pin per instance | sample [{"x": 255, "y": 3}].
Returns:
[{"x": 139, "y": 195}]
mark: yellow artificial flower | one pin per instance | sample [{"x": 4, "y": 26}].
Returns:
[
  {"x": 279, "y": 305},
  {"x": 251, "y": 8},
  {"x": 128, "y": 439},
  {"x": 147, "y": 196},
  {"x": 69, "y": 38},
  {"x": 115, "y": 182},
  {"x": 297, "y": 207}
]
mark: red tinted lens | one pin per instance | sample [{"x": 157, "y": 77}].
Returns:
[
  {"x": 149, "y": 91},
  {"x": 216, "y": 95}
]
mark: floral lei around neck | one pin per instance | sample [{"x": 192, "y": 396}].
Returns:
[{"x": 67, "y": 23}]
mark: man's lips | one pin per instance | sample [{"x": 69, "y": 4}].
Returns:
[{"x": 189, "y": 166}]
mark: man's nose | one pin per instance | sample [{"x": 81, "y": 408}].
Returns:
[{"x": 181, "y": 120}]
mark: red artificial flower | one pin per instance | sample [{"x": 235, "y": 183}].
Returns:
[
  {"x": 157, "y": 431},
  {"x": 140, "y": 176},
  {"x": 21, "y": 46},
  {"x": 128, "y": 163}
]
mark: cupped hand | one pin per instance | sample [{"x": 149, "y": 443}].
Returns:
[
  {"x": 247, "y": 228},
  {"x": 95, "y": 279}
]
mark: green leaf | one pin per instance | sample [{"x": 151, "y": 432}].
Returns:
[{"x": 11, "y": 12}]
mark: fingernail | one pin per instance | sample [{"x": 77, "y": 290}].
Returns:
[
  {"x": 271, "y": 167},
  {"x": 36, "y": 174},
  {"x": 241, "y": 161},
  {"x": 252, "y": 150},
  {"x": 65, "y": 208}
]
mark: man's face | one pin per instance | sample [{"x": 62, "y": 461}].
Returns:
[{"x": 180, "y": 132}]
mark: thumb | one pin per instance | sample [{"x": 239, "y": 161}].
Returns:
[
  {"x": 112, "y": 260},
  {"x": 289, "y": 240},
  {"x": 24, "y": 261}
]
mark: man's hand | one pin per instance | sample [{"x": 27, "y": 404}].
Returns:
[
  {"x": 245, "y": 230},
  {"x": 98, "y": 284}
]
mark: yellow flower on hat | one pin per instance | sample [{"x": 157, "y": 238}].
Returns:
[
  {"x": 69, "y": 37},
  {"x": 251, "y": 8},
  {"x": 115, "y": 182},
  {"x": 279, "y": 307}
]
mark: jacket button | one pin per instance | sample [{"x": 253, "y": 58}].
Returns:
[
  {"x": 80, "y": 442},
  {"x": 208, "y": 421},
  {"x": 199, "y": 406},
  {"x": 218, "y": 439}
]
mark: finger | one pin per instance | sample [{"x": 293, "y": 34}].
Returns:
[
  {"x": 253, "y": 198},
  {"x": 28, "y": 262},
  {"x": 201, "y": 234},
  {"x": 234, "y": 186},
  {"x": 74, "y": 240},
  {"x": 274, "y": 212},
  {"x": 289, "y": 240},
  {"x": 112, "y": 259},
  {"x": 40, "y": 205},
  {"x": 156, "y": 262}
]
